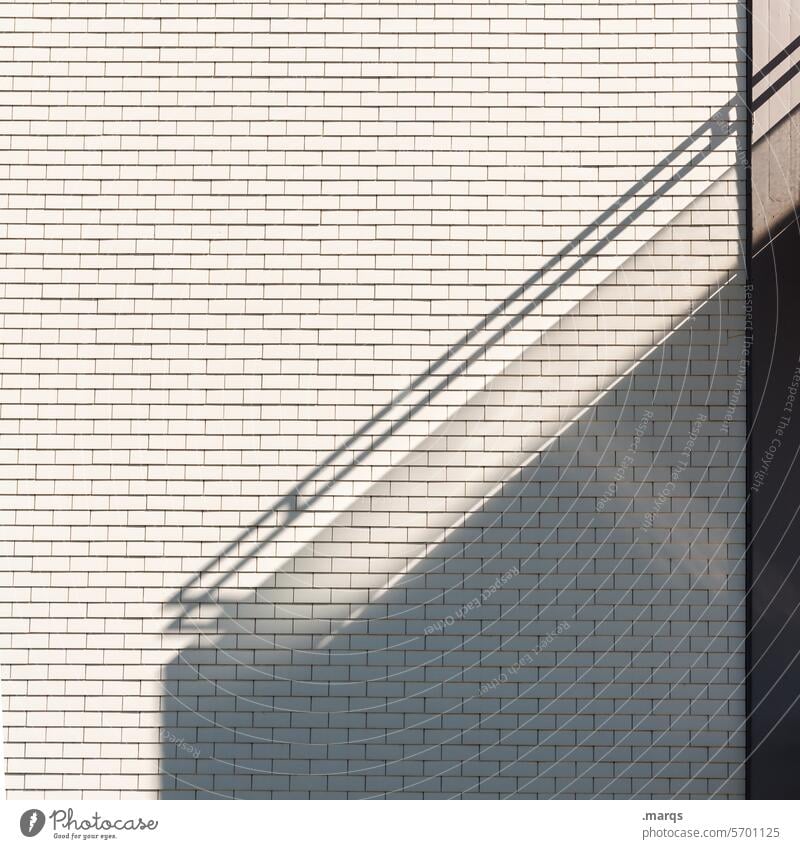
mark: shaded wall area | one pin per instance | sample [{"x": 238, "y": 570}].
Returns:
[
  {"x": 296, "y": 300},
  {"x": 576, "y": 626}
]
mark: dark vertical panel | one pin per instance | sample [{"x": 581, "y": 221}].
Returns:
[{"x": 774, "y": 405}]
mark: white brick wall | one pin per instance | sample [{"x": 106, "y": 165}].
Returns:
[{"x": 371, "y": 412}]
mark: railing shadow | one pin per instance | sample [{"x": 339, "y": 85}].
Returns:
[
  {"x": 448, "y": 367},
  {"x": 244, "y": 703},
  {"x": 368, "y": 681},
  {"x": 508, "y": 661}
]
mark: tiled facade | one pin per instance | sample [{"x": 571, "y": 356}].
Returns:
[{"x": 372, "y": 399}]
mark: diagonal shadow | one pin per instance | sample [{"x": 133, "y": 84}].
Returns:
[
  {"x": 786, "y": 77},
  {"x": 464, "y": 429},
  {"x": 395, "y": 706},
  {"x": 245, "y": 704},
  {"x": 776, "y": 60},
  {"x": 287, "y": 509},
  {"x": 389, "y": 707}
]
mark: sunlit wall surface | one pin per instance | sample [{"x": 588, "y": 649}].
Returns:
[{"x": 373, "y": 400}]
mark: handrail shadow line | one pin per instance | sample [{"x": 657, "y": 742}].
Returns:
[
  {"x": 575, "y": 415},
  {"x": 616, "y": 380},
  {"x": 260, "y": 545},
  {"x": 776, "y": 60},
  {"x": 551, "y": 436},
  {"x": 648, "y": 346},
  {"x": 289, "y": 501},
  {"x": 775, "y": 87}
]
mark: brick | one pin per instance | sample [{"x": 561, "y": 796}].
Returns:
[{"x": 217, "y": 273}]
